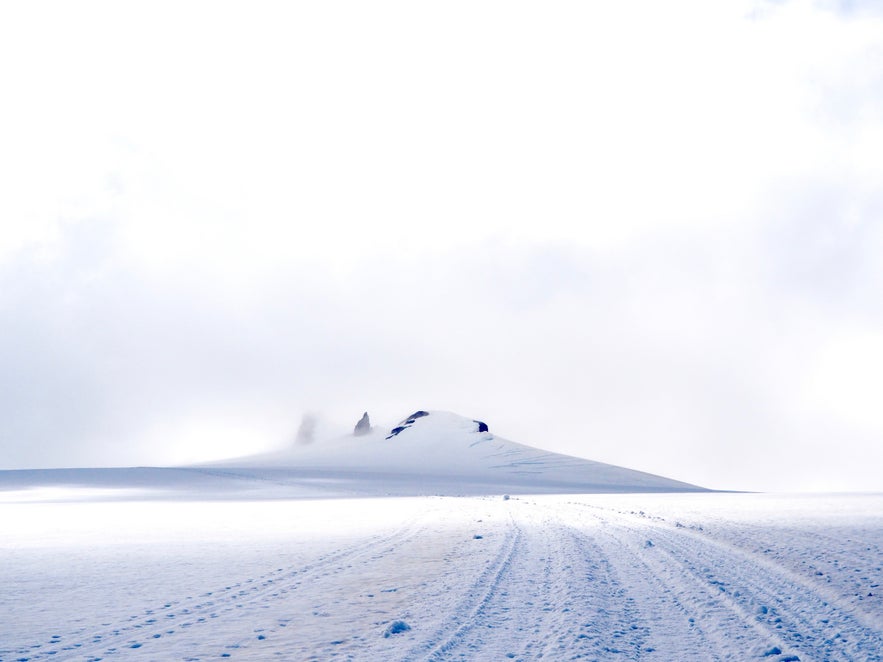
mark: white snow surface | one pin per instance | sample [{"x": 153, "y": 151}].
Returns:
[
  {"x": 298, "y": 556},
  {"x": 699, "y": 576}
]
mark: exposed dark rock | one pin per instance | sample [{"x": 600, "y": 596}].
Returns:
[
  {"x": 363, "y": 426},
  {"x": 417, "y": 414},
  {"x": 395, "y": 431},
  {"x": 482, "y": 427},
  {"x": 408, "y": 422}
]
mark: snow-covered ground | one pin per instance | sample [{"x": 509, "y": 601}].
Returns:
[
  {"x": 612, "y": 577},
  {"x": 405, "y": 547}
]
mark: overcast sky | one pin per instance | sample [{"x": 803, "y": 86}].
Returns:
[{"x": 644, "y": 233}]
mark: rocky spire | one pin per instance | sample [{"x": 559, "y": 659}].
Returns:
[{"x": 363, "y": 426}]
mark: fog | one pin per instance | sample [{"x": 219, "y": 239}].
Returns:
[{"x": 643, "y": 235}]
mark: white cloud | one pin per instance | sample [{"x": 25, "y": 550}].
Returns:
[
  {"x": 846, "y": 379},
  {"x": 625, "y": 228}
]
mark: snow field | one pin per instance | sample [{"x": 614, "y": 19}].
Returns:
[{"x": 555, "y": 577}]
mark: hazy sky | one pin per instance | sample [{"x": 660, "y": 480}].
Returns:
[{"x": 645, "y": 233}]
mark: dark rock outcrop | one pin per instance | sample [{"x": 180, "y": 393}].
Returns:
[
  {"x": 408, "y": 422},
  {"x": 395, "y": 431},
  {"x": 363, "y": 426},
  {"x": 417, "y": 414}
]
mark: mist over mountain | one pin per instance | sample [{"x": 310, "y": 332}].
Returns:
[
  {"x": 443, "y": 452},
  {"x": 426, "y": 453}
]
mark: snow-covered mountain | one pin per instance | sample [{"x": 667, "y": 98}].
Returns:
[
  {"x": 428, "y": 453},
  {"x": 440, "y": 452}
]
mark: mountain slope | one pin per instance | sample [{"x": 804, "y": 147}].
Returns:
[
  {"x": 429, "y": 453},
  {"x": 441, "y": 452}
]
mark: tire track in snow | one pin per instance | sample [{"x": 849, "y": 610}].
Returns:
[
  {"x": 818, "y": 563},
  {"x": 553, "y": 593},
  {"x": 480, "y": 594},
  {"x": 603, "y": 620},
  {"x": 833, "y": 585},
  {"x": 588, "y": 611},
  {"x": 342, "y": 564},
  {"x": 559, "y": 592},
  {"x": 788, "y": 609},
  {"x": 749, "y": 596},
  {"x": 159, "y": 622},
  {"x": 727, "y": 630},
  {"x": 532, "y": 613},
  {"x": 629, "y": 611},
  {"x": 667, "y": 625},
  {"x": 688, "y": 616},
  {"x": 576, "y": 584}
]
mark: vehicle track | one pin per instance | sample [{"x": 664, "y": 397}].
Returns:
[
  {"x": 177, "y": 616},
  {"x": 748, "y": 593},
  {"x": 551, "y": 593},
  {"x": 670, "y": 622},
  {"x": 631, "y": 612},
  {"x": 473, "y": 606},
  {"x": 817, "y": 562},
  {"x": 789, "y": 610},
  {"x": 569, "y": 581},
  {"x": 540, "y": 605}
]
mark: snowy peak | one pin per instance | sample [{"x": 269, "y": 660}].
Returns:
[
  {"x": 442, "y": 423},
  {"x": 442, "y": 452},
  {"x": 427, "y": 453}
]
